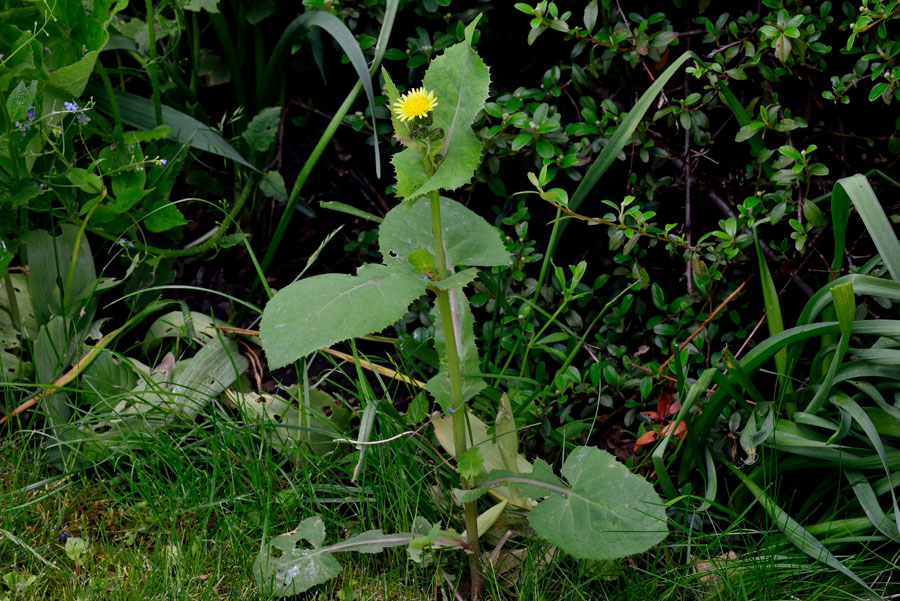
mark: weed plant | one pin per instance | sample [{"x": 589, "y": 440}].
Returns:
[{"x": 691, "y": 279}]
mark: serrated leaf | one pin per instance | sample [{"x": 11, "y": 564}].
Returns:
[
  {"x": 459, "y": 80},
  {"x": 320, "y": 311},
  {"x": 456, "y": 281},
  {"x": 468, "y": 238},
  {"x": 263, "y": 128},
  {"x": 272, "y": 185},
  {"x": 85, "y": 180},
  {"x": 470, "y": 463},
  {"x": 296, "y": 570},
  {"x": 73, "y": 78},
  {"x": 393, "y": 94},
  {"x": 163, "y": 215},
  {"x": 210, "y": 6}
]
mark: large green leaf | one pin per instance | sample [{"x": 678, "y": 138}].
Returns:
[
  {"x": 319, "y": 311},
  {"x": 604, "y": 512},
  {"x": 291, "y": 569},
  {"x": 73, "y": 78},
  {"x": 468, "y": 238},
  {"x": 459, "y": 80},
  {"x": 53, "y": 273}
]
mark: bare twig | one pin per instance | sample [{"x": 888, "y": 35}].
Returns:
[{"x": 707, "y": 321}]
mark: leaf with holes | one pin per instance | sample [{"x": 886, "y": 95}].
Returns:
[
  {"x": 468, "y": 238},
  {"x": 286, "y": 568}
]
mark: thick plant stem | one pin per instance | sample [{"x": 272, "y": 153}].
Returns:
[{"x": 457, "y": 405}]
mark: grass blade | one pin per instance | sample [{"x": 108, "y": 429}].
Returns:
[
  {"x": 338, "y": 118},
  {"x": 857, "y": 189},
  {"x": 620, "y": 138},
  {"x": 344, "y": 38},
  {"x": 798, "y": 535},
  {"x": 139, "y": 112}
]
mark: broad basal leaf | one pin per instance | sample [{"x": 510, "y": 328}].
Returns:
[
  {"x": 468, "y": 238},
  {"x": 459, "y": 80},
  {"x": 320, "y": 311},
  {"x": 604, "y": 512},
  {"x": 289, "y": 569}
]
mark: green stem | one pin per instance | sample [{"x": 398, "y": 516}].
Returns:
[
  {"x": 308, "y": 167},
  {"x": 196, "y": 250},
  {"x": 457, "y": 405},
  {"x": 151, "y": 67},
  {"x": 119, "y": 132},
  {"x": 548, "y": 256},
  {"x": 380, "y": 49},
  {"x": 11, "y": 144},
  {"x": 195, "y": 51}
]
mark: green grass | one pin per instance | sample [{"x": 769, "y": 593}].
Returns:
[{"x": 183, "y": 519}]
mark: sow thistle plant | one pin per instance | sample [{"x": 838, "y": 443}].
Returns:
[{"x": 434, "y": 245}]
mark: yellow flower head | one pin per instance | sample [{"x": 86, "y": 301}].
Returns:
[{"x": 415, "y": 104}]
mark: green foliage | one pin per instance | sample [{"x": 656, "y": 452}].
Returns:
[
  {"x": 604, "y": 512},
  {"x": 295, "y": 570},
  {"x": 459, "y": 79},
  {"x": 317, "y": 312}
]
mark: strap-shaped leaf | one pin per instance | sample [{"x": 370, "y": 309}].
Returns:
[
  {"x": 139, "y": 112},
  {"x": 858, "y": 190}
]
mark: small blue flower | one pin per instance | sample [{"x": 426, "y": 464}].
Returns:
[
  {"x": 451, "y": 410},
  {"x": 18, "y": 124},
  {"x": 31, "y": 114},
  {"x": 71, "y": 106},
  {"x": 162, "y": 162},
  {"x": 82, "y": 118}
]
